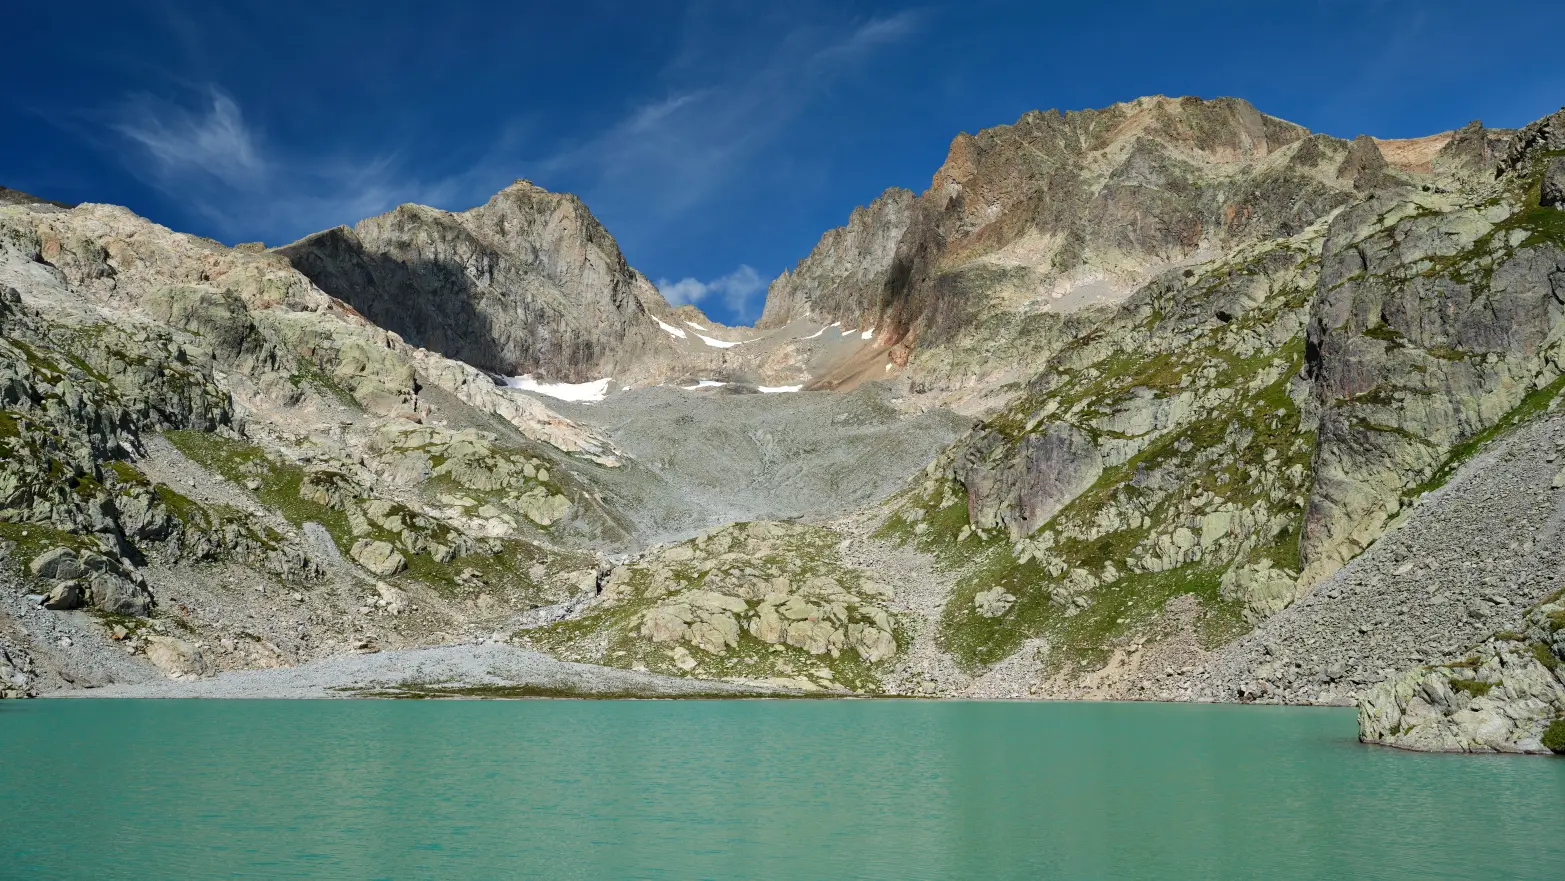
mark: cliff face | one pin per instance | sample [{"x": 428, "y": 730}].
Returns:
[{"x": 529, "y": 282}]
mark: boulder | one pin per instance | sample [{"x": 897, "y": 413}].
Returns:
[
  {"x": 118, "y": 595},
  {"x": 58, "y": 564},
  {"x": 667, "y": 623},
  {"x": 993, "y": 603},
  {"x": 326, "y": 487},
  {"x": 378, "y": 557},
  {"x": 768, "y": 626},
  {"x": 175, "y": 656},
  {"x": 391, "y": 599},
  {"x": 67, "y": 595},
  {"x": 872, "y": 643}
]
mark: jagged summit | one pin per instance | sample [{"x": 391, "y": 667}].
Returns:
[
  {"x": 528, "y": 282},
  {"x": 1064, "y": 209}
]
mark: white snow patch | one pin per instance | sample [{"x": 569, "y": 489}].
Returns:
[
  {"x": 694, "y": 325},
  {"x": 847, "y": 332},
  {"x": 582, "y": 392},
  {"x": 718, "y": 344},
  {"x": 868, "y": 334},
  {"x": 704, "y": 383},
  {"x": 813, "y": 335},
  {"x": 672, "y": 330},
  {"x": 777, "y": 389}
]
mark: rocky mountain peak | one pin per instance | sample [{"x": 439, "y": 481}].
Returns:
[{"x": 528, "y": 282}]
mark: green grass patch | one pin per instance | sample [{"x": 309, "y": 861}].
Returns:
[
  {"x": 1471, "y": 687},
  {"x": 1545, "y": 656},
  {"x": 1127, "y": 605},
  {"x": 32, "y": 539},
  {"x": 240, "y": 461},
  {"x": 1554, "y": 736}
]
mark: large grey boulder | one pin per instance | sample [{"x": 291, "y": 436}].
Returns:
[
  {"x": 121, "y": 596},
  {"x": 175, "y": 657},
  {"x": 57, "y": 564},
  {"x": 64, "y": 596},
  {"x": 378, "y": 557}
]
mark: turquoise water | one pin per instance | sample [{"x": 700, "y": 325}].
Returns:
[{"x": 750, "y": 789}]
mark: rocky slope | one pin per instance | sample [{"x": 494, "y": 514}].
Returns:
[
  {"x": 198, "y": 433},
  {"x": 212, "y": 464},
  {"x": 845, "y": 276},
  {"x": 1238, "y": 428}
]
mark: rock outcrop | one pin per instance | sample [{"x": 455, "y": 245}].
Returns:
[
  {"x": 759, "y": 602},
  {"x": 1508, "y": 696},
  {"x": 1239, "y": 428}
]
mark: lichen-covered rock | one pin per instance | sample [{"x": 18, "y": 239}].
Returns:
[
  {"x": 1023, "y": 489},
  {"x": 747, "y": 601},
  {"x": 61, "y": 564},
  {"x": 379, "y": 557},
  {"x": 1263, "y": 589},
  {"x": 993, "y": 603}
]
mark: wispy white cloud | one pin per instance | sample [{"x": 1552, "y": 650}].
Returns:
[
  {"x": 737, "y": 291},
  {"x": 677, "y": 152},
  {"x": 179, "y": 141},
  {"x": 209, "y": 157},
  {"x": 709, "y": 116}
]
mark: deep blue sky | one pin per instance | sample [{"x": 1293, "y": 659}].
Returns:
[{"x": 715, "y": 140}]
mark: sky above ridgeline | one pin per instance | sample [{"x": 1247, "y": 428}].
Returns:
[{"x": 715, "y": 140}]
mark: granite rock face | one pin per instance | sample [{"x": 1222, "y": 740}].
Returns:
[
  {"x": 1241, "y": 427},
  {"x": 117, "y": 334},
  {"x": 1552, "y": 192}
]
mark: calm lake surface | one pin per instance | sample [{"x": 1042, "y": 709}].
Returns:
[{"x": 750, "y": 789}]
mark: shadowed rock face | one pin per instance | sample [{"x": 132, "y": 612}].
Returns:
[
  {"x": 1552, "y": 194},
  {"x": 529, "y": 282}
]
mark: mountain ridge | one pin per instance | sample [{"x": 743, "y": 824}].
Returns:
[{"x": 1209, "y": 361}]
